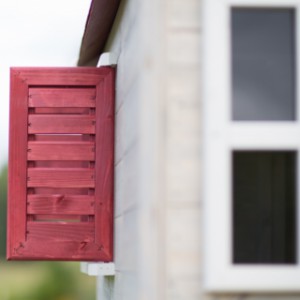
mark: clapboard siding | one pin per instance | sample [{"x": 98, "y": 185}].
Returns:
[
  {"x": 158, "y": 125},
  {"x": 133, "y": 125}
]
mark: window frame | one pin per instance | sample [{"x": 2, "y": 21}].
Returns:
[{"x": 221, "y": 137}]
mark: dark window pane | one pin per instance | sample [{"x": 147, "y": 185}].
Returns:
[
  {"x": 263, "y": 64},
  {"x": 264, "y": 207}
]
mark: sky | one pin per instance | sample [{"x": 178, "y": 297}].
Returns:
[{"x": 36, "y": 33}]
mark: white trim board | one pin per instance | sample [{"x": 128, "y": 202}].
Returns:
[{"x": 97, "y": 269}]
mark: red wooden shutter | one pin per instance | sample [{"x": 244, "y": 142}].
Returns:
[{"x": 60, "y": 197}]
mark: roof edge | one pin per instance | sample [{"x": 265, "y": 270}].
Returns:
[{"x": 98, "y": 25}]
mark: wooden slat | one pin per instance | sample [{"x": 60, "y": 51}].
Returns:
[
  {"x": 35, "y": 249},
  {"x": 60, "y": 231},
  {"x": 63, "y": 76},
  {"x": 60, "y": 204},
  {"x": 62, "y": 97},
  {"x": 61, "y": 151},
  {"x": 57, "y": 178},
  {"x": 61, "y": 124}
]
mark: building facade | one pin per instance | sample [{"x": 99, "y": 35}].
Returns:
[{"x": 159, "y": 220}]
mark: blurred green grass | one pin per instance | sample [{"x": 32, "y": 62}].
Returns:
[
  {"x": 38, "y": 280},
  {"x": 44, "y": 281}
]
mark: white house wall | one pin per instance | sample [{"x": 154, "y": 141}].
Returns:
[
  {"x": 138, "y": 150},
  {"x": 158, "y": 151},
  {"x": 183, "y": 150},
  {"x": 158, "y": 161}
]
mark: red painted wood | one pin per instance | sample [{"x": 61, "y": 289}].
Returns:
[
  {"x": 61, "y": 124},
  {"x": 64, "y": 98},
  {"x": 63, "y": 177},
  {"x": 60, "y": 231},
  {"x": 104, "y": 163},
  {"x": 63, "y": 76},
  {"x": 63, "y": 250},
  {"x": 60, "y": 204},
  {"x": 61, "y": 151},
  {"x": 16, "y": 225}
]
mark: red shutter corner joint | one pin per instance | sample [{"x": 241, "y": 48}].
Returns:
[{"x": 61, "y": 162}]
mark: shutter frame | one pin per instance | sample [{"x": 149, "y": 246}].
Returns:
[{"x": 84, "y": 240}]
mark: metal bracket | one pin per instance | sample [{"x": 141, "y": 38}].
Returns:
[
  {"x": 107, "y": 59},
  {"x": 98, "y": 269}
]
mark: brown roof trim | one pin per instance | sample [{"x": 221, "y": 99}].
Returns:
[{"x": 97, "y": 28}]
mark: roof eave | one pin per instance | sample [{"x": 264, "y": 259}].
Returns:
[{"x": 98, "y": 26}]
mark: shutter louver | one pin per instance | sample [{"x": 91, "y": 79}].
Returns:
[{"x": 60, "y": 197}]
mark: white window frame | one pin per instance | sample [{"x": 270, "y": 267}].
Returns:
[{"x": 221, "y": 137}]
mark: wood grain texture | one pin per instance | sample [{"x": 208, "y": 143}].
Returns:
[
  {"x": 60, "y": 177},
  {"x": 66, "y": 250},
  {"x": 62, "y": 97},
  {"x": 60, "y": 231},
  {"x": 61, "y": 151},
  {"x": 54, "y": 210},
  {"x": 64, "y": 124},
  {"x": 62, "y": 76},
  {"x": 60, "y": 204},
  {"x": 17, "y": 165},
  {"x": 104, "y": 164}
]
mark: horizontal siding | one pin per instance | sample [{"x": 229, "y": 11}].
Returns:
[
  {"x": 142, "y": 218},
  {"x": 123, "y": 42},
  {"x": 126, "y": 228}
]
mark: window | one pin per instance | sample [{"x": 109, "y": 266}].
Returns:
[
  {"x": 263, "y": 207},
  {"x": 263, "y": 64},
  {"x": 252, "y": 145},
  {"x": 60, "y": 193}
]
